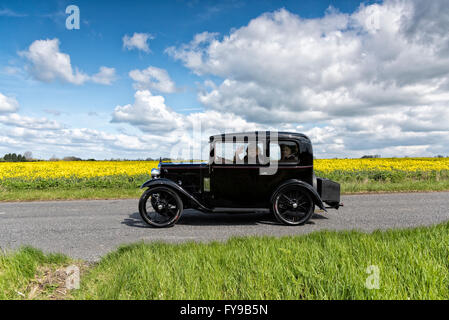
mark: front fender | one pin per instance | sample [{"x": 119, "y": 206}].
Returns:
[
  {"x": 169, "y": 183},
  {"x": 149, "y": 183},
  {"x": 315, "y": 196}
]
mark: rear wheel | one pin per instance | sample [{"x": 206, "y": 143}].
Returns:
[
  {"x": 293, "y": 205},
  {"x": 160, "y": 207}
]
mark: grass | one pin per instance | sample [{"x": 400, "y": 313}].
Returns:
[
  {"x": 108, "y": 187},
  {"x": 19, "y": 270},
  {"x": 412, "y": 264},
  {"x": 401, "y": 186},
  {"x": 69, "y": 194}
]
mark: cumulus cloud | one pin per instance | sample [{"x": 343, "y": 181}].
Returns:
[
  {"x": 104, "y": 76},
  {"x": 46, "y": 137},
  {"x": 16, "y": 120},
  {"x": 48, "y": 64},
  {"x": 176, "y": 134},
  {"x": 8, "y": 104},
  {"x": 150, "y": 114},
  {"x": 152, "y": 78},
  {"x": 374, "y": 68},
  {"x": 427, "y": 22},
  {"x": 192, "y": 54},
  {"x": 137, "y": 41},
  {"x": 328, "y": 66}
]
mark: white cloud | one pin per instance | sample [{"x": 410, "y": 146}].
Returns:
[
  {"x": 150, "y": 114},
  {"x": 45, "y": 138},
  {"x": 175, "y": 134},
  {"x": 48, "y": 64},
  {"x": 8, "y": 104},
  {"x": 192, "y": 54},
  {"x": 373, "y": 69},
  {"x": 137, "y": 41},
  {"x": 152, "y": 78},
  {"x": 104, "y": 76},
  {"x": 16, "y": 120}
]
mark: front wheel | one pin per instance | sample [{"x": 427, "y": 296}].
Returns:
[
  {"x": 160, "y": 207},
  {"x": 293, "y": 205}
]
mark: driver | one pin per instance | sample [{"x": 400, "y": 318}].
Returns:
[{"x": 287, "y": 154}]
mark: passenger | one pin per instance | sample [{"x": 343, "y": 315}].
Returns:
[{"x": 253, "y": 154}]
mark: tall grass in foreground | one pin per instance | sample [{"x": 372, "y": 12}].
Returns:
[
  {"x": 413, "y": 264},
  {"x": 19, "y": 268}
]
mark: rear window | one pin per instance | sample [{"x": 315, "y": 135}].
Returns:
[{"x": 284, "y": 152}]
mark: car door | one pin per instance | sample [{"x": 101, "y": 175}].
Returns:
[
  {"x": 233, "y": 178},
  {"x": 285, "y": 163}
]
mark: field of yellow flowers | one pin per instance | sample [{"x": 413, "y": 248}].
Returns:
[
  {"x": 43, "y": 175},
  {"x": 383, "y": 169},
  {"x": 71, "y": 169},
  {"x": 378, "y": 174}
]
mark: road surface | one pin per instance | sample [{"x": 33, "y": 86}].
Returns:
[{"x": 89, "y": 229}]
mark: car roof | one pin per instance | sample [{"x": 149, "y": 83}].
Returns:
[{"x": 281, "y": 135}]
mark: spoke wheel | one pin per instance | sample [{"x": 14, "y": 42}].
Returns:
[
  {"x": 160, "y": 207},
  {"x": 293, "y": 206}
]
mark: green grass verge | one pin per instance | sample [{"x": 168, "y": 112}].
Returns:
[
  {"x": 19, "y": 269},
  {"x": 401, "y": 186},
  {"x": 69, "y": 194},
  {"x": 412, "y": 264}
]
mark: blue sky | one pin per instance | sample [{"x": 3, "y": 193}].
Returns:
[{"x": 99, "y": 43}]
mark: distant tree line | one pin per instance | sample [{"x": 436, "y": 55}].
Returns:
[
  {"x": 13, "y": 157},
  {"x": 368, "y": 156},
  {"x": 28, "y": 156}
]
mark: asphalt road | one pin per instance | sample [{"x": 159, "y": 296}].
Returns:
[{"x": 89, "y": 229}]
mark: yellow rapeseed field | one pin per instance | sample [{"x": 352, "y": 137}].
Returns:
[
  {"x": 68, "y": 169},
  {"x": 382, "y": 164},
  {"x": 84, "y": 169}
]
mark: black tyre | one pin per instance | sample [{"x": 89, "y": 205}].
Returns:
[
  {"x": 293, "y": 205},
  {"x": 160, "y": 207}
]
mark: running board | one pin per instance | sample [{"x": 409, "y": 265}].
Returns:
[
  {"x": 241, "y": 210},
  {"x": 338, "y": 205}
]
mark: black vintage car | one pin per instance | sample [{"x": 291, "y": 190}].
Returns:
[{"x": 247, "y": 172}]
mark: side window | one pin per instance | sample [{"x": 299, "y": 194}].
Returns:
[
  {"x": 284, "y": 152},
  {"x": 224, "y": 152},
  {"x": 239, "y": 153},
  {"x": 275, "y": 152},
  {"x": 255, "y": 153}
]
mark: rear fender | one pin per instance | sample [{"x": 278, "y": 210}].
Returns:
[
  {"x": 313, "y": 193},
  {"x": 175, "y": 187}
]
